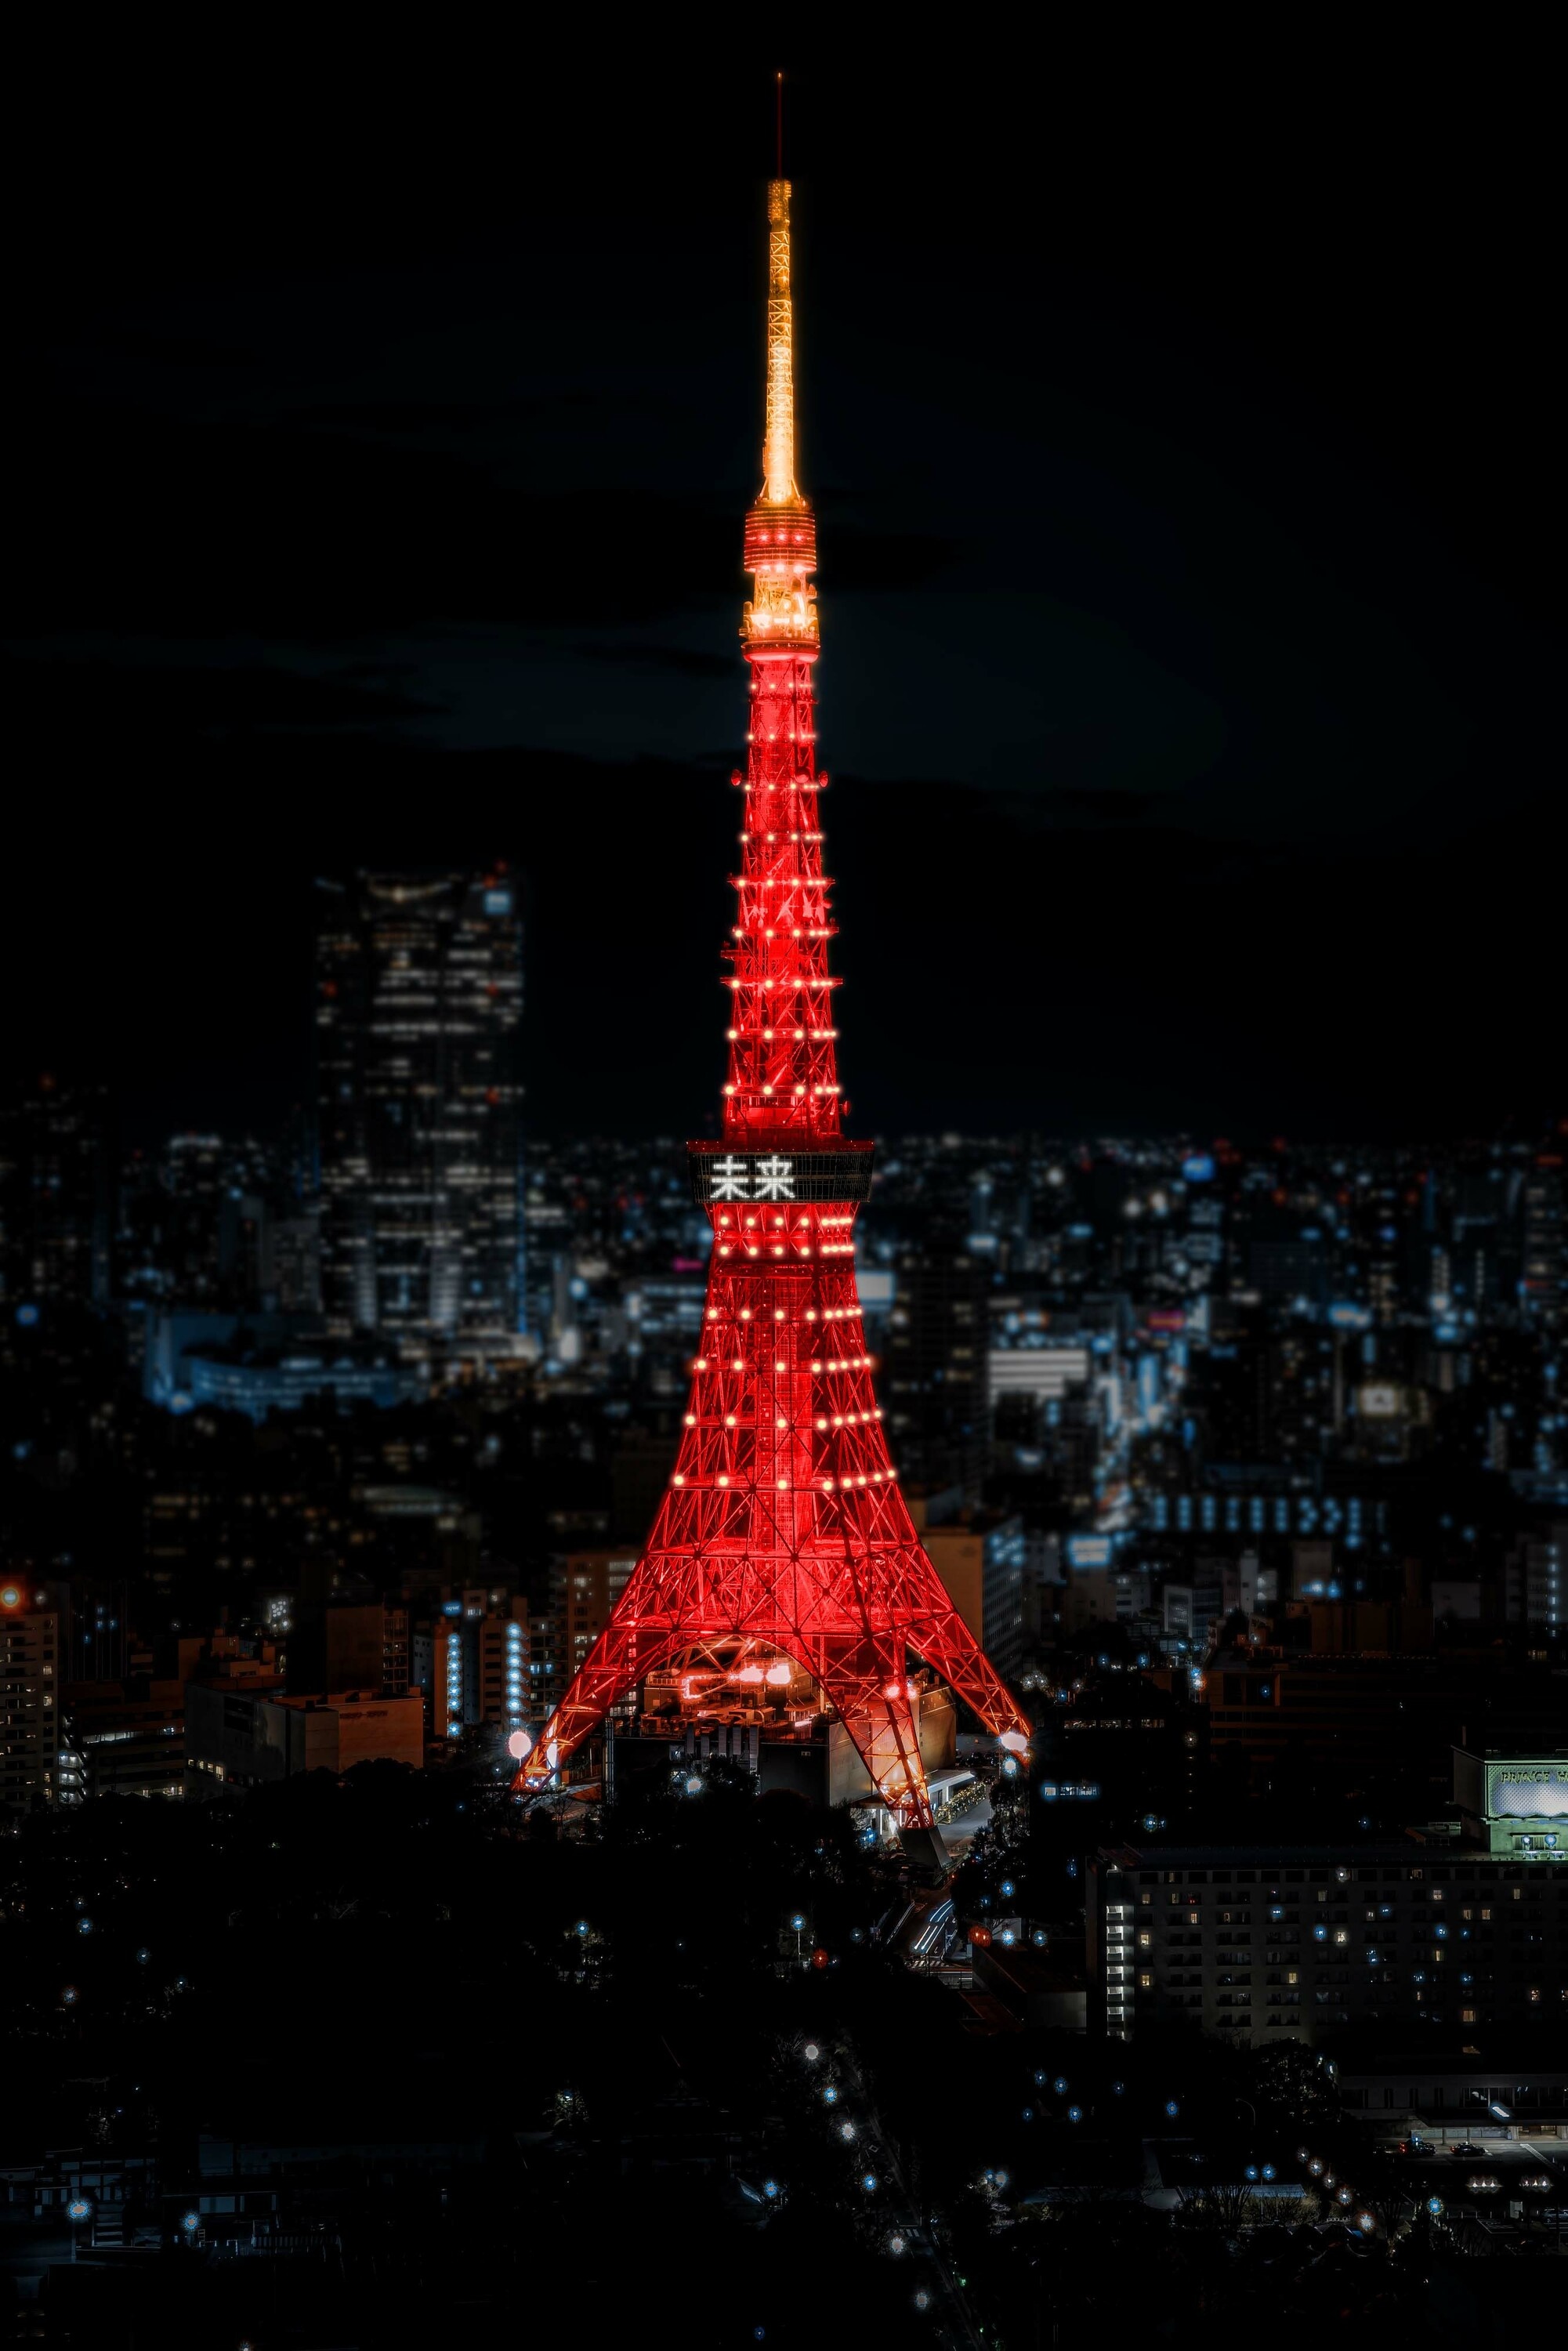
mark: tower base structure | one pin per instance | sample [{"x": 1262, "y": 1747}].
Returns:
[{"x": 783, "y": 1540}]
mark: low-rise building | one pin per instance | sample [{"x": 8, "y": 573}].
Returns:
[
  {"x": 123, "y": 1738},
  {"x": 239, "y": 1737},
  {"x": 1260, "y": 1942}
]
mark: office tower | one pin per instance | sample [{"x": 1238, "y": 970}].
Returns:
[
  {"x": 418, "y": 1010},
  {"x": 937, "y": 1361},
  {"x": 783, "y": 1544}
]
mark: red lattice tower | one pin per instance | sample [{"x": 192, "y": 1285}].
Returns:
[{"x": 783, "y": 1527}]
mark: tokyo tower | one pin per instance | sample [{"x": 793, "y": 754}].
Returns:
[{"x": 783, "y": 1539}]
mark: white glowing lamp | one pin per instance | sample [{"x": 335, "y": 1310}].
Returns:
[{"x": 519, "y": 1744}]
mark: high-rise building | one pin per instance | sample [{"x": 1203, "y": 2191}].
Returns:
[
  {"x": 350, "y": 1644},
  {"x": 418, "y": 1010},
  {"x": 937, "y": 1358},
  {"x": 782, "y": 1553},
  {"x": 473, "y": 1664},
  {"x": 1542, "y": 1280},
  {"x": 584, "y": 1588},
  {"x": 57, "y": 1197},
  {"x": 35, "y": 1638}
]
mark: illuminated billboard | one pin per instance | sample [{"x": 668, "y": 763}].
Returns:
[{"x": 1527, "y": 1791}]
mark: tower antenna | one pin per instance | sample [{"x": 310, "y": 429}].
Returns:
[{"x": 779, "y": 126}]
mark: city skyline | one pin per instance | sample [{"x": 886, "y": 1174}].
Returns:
[{"x": 894, "y": 1604}]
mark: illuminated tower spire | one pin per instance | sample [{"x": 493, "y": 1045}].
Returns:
[
  {"x": 783, "y": 1547},
  {"x": 779, "y": 449}
]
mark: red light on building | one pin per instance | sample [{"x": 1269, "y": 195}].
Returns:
[{"x": 783, "y": 1528}]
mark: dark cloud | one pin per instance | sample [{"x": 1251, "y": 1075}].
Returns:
[
  {"x": 172, "y": 350},
  {"x": 202, "y": 528},
  {"x": 682, "y": 660},
  {"x": 411, "y": 416},
  {"x": 58, "y": 703}
]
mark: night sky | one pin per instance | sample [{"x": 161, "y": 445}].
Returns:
[{"x": 380, "y": 432}]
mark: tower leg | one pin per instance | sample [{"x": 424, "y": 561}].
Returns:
[
  {"x": 866, "y": 1682},
  {"x": 938, "y": 1636},
  {"x": 623, "y": 1654}
]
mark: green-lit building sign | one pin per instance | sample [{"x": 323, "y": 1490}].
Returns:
[{"x": 1521, "y": 1802}]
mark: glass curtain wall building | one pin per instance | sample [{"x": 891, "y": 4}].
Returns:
[{"x": 419, "y": 990}]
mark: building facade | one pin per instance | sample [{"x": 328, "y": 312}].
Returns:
[
  {"x": 35, "y": 1638},
  {"x": 419, "y": 1100},
  {"x": 1259, "y": 1943},
  {"x": 238, "y": 1738}
]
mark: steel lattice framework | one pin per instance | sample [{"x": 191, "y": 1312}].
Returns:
[{"x": 783, "y": 1526}]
